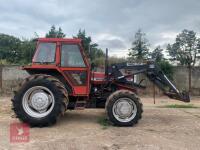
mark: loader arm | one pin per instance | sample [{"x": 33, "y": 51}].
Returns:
[{"x": 154, "y": 74}]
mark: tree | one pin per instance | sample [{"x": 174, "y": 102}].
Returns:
[
  {"x": 91, "y": 49},
  {"x": 10, "y": 48},
  {"x": 60, "y": 33},
  {"x": 185, "y": 50},
  {"x": 140, "y": 47},
  {"x": 167, "y": 68},
  {"x": 27, "y": 51},
  {"x": 16, "y": 51},
  {"x": 86, "y": 41},
  {"x": 157, "y": 54},
  {"x": 53, "y": 33}
]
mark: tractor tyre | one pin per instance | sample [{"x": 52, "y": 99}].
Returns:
[
  {"x": 40, "y": 100},
  {"x": 123, "y": 108}
]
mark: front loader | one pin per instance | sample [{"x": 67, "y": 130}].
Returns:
[{"x": 61, "y": 78}]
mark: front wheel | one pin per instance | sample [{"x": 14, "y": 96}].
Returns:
[
  {"x": 40, "y": 100},
  {"x": 124, "y": 108}
]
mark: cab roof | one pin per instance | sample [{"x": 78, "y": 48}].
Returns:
[{"x": 75, "y": 40}]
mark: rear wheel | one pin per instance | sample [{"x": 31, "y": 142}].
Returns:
[
  {"x": 40, "y": 100},
  {"x": 124, "y": 108}
]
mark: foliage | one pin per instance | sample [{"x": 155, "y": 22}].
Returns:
[
  {"x": 99, "y": 62},
  {"x": 104, "y": 122},
  {"x": 114, "y": 60},
  {"x": 96, "y": 53},
  {"x": 140, "y": 47},
  {"x": 4, "y": 62},
  {"x": 86, "y": 41},
  {"x": 166, "y": 67},
  {"x": 53, "y": 33},
  {"x": 15, "y": 51},
  {"x": 186, "y": 48},
  {"x": 10, "y": 48},
  {"x": 91, "y": 49},
  {"x": 179, "y": 106},
  {"x": 27, "y": 50},
  {"x": 157, "y": 54}
]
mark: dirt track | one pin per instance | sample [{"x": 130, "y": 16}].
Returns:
[{"x": 160, "y": 128}]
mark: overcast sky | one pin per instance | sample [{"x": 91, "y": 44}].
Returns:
[{"x": 110, "y": 23}]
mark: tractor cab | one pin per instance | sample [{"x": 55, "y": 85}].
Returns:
[{"x": 63, "y": 57}]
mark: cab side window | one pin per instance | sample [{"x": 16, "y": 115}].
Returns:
[{"x": 71, "y": 56}]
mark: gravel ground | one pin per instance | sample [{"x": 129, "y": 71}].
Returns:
[{"x": 159, "y": 128}]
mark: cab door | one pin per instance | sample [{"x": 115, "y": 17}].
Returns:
[{"x": 75, "y": 67}]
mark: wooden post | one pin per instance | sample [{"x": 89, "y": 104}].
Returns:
[
  {"x": 189, "y": 78},
  {"x": 1, "y": 69},
  {"x": 154, "y": 94}
]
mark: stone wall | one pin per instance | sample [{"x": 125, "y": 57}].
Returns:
[
  {"x": 180, "y": 80},
  {"x": 11, "y": 76}
]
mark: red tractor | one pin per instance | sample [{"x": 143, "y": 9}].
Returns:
[{"x": 61, "y": 78}]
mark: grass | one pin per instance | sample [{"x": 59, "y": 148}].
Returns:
[
  {"x": 104, "y": 122},
  {"x": 179, "y": 106}
]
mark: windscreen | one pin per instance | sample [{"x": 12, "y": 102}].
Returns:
[{"x": 45, "y": 53}]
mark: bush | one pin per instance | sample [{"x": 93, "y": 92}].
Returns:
[{"x": 167, "y": 68}]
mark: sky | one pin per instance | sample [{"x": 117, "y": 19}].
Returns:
[{"x": 111, "y": 23}]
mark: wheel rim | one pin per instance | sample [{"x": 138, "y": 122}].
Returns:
[
  {"x": 124, "y": 109},
  {"x": 38, "y": 101}
]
